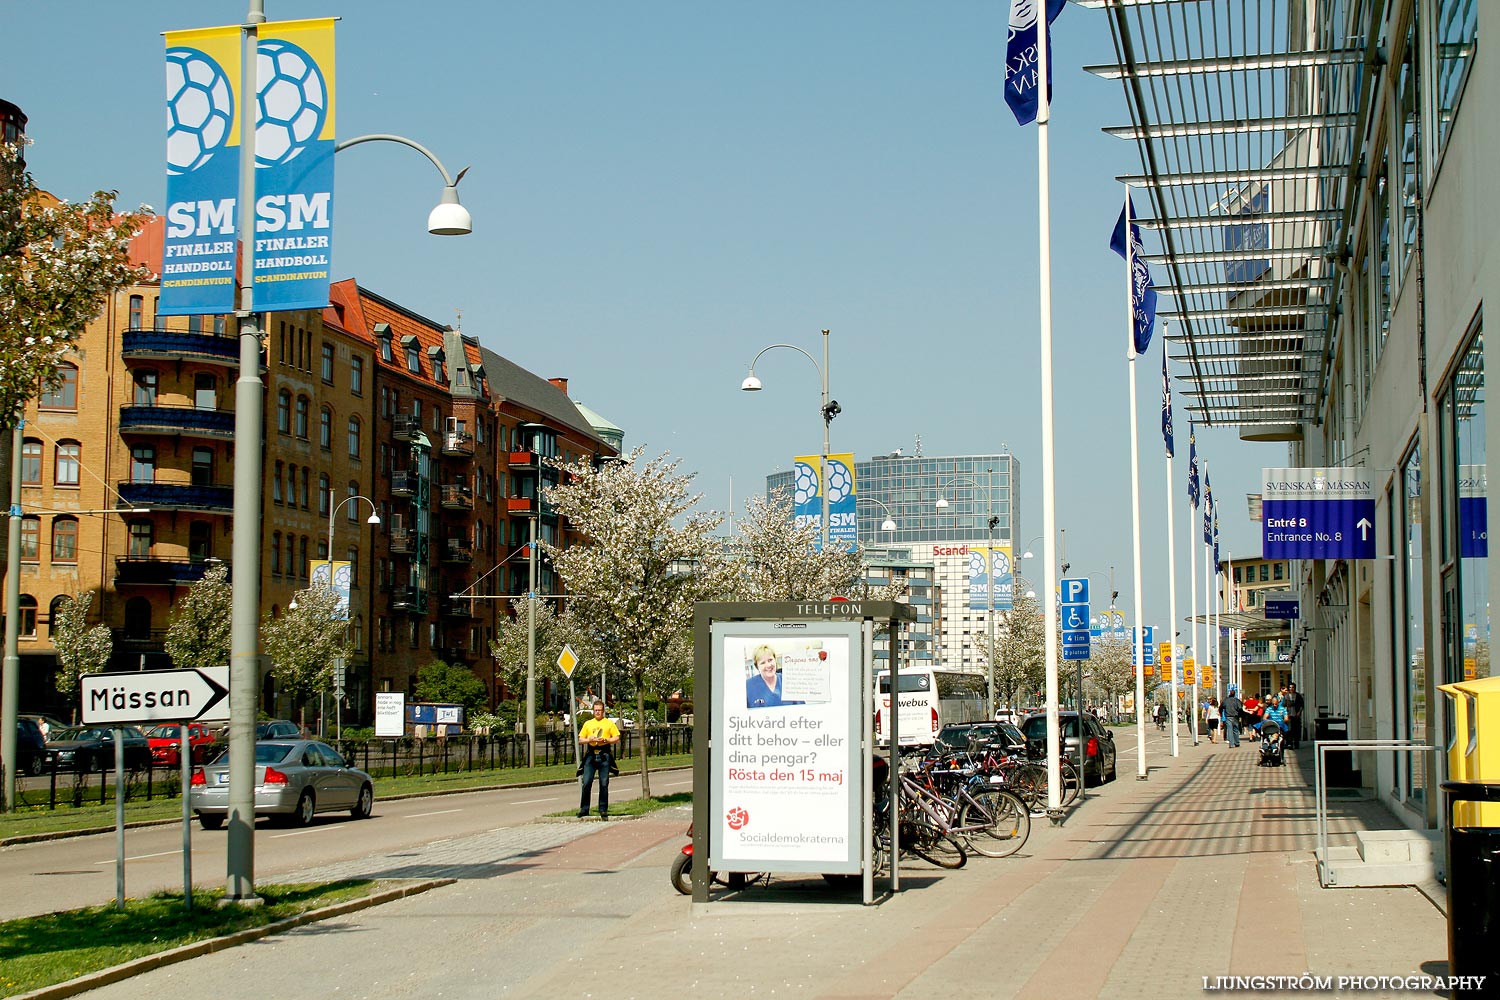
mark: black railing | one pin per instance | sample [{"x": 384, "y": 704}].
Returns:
[
  {"x": 164, "y": 419},
  {"x": 177, "y": 496}
]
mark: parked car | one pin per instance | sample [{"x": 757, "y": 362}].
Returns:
[
  {"x": 1098, "y": 747},
  {"x": 165, "y": 742},
  {"x": 294, "y": 780},
  {"x": 48, "y": 724},
  {"x": 31, "y": 747},
  {"x": 92, "y": 748},
  {"x": 956, "y": 736},
  {"x": 278, "y": 729}
]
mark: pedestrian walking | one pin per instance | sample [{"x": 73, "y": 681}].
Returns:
[
  {"x": 1212, "y": 714},
  {"x": 1252, "y": 716},
  {"x": 1230, "y": 711},
  {"x": 596, "y": 742},
  {"x": 1293, "y": 703}
]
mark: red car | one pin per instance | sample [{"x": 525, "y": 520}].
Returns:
[{"x": 165, "y": 742}]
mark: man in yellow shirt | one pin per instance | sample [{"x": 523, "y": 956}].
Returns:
[{"x": 596, "y": 742}]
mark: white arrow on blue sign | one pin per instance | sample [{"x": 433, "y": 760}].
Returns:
[{"x": 1317, "y": 513}]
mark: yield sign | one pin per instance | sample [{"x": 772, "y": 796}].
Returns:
[
  {"x": 567, "y": 660},
  {"x": 152, "y": 695}
]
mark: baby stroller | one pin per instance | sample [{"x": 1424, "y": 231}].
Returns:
[{"x": 1272, "y": 746}]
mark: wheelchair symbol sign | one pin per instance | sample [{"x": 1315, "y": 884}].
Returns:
[{"x": 1075, "y": 617}]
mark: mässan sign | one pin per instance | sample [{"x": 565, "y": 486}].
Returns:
[
  {"x": 1317, "y": 513},
  {"x": 136, "y": 696}
]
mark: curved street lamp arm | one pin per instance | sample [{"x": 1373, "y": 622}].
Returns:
[
  {"x": 790, "y": 347},
  {"x": 448, "y": 180}
]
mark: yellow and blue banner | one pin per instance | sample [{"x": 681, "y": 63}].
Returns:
[
  {"x": 294, "y": 145},
  {"x": 337, "y": 575},
  {"x": 809, "y": 479},
  {"x": 999, "y": 560}
]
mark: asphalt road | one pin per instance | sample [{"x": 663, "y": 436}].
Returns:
[{"x": 80, "y": 871}]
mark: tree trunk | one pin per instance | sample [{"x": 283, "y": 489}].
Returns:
[{"x": 640, "y": 722}]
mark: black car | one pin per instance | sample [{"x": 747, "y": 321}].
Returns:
[
  {"x": 31, "y": 747},
  {"x": 277, "y": 729},
  {"x": 92, "y": 748},
  {"x": 959, "y": 735},
  {"x": 1098, "y": 747}
]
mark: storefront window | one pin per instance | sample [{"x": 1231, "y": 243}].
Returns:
[
  {"x": 1413, "y": 663},
  {"x": 1467, "y": 394}
]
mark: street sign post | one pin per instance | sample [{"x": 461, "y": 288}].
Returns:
[
  {"x": 567, "y": 662},
  {"x": 1317, "y": 513},
  {"x": 138, "y": 696},
  {"x": 1073, "y": 613},
  {"x": 1284, "y": 607}
]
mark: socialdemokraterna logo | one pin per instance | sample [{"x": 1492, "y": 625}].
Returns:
[{"x": 737, "y": 818}]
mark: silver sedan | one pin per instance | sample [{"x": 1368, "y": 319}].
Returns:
[{"x": 294, "y": 780}]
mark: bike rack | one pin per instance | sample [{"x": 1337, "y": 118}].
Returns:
[{"x": 1326, "y": 871}]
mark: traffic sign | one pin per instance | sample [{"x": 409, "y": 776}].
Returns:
[
  {"x": 1189, "y": 671},
  {"x": 1317, "y": 513},
  {"x": 1285, "y": 607},
  {"x": 136, "y": 696},
  {"x": 567, "y": 660},
  {"x": 338, "y": 676},
  {"x": 1073, "y": 614}
]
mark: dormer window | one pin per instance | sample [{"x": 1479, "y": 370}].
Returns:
[
  {"x": 383, "y": 337},
  {"x": 436, "y": 356},
  {"x": 413, "y": 354}
]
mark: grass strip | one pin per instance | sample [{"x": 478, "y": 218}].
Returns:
[
  {"x": 619, "y": 809},
  {"x": 67, "y": 818},
  {"x": 53, "y": 948}
]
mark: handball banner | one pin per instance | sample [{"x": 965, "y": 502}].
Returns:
[
  {"x": 294, "y": 148},
  {"x": 808, "y": 482}
]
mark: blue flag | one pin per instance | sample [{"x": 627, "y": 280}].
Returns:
[
  {"x": 1216, "y": 535},
  {"x": 1208, "y": 511},
  {"x": 1166, "y": 403},
  {"x": 1193, "y": 467},
  {"x": 1142, "y": 292},
  {"x": 1021, "y": 57}
]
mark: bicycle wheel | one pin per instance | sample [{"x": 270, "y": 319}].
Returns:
[
  {"x": 933, "y": 846},
  {"x": 1003, "y": 819},
  {"x": 1030, "y": 783}
]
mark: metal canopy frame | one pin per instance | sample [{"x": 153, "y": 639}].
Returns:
[{"x": 1244, "y": 114}]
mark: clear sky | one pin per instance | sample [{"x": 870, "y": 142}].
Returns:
[{"x": 660, "y": 189}]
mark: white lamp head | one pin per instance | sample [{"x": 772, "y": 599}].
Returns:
[
  {"x": 888, "y": 525},
  {"x": 751, "y": 383},
  {"x": 1029, "y": 555},
  {"x": 450, "y": 218},
  {"x": 374, "y": 518},
  {"x": 942, "y": 503}
]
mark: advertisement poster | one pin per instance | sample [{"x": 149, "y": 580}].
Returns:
[
  {"x": 807, "y": 500},
  {"x": 390, "y": 713},
  {"x": 979, "y": 580},
  {"x": 786, "y": 754},
  {"x": 340, "y": 579}
]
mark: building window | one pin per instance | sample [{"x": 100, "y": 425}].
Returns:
[
  {"x": 63, "y": 395},
  {"x": 385, "y": 402},
  {"x": 1468, "y": 539},
  {"x": 324, "y": 494},
  {"x": 276, "y": 479},
  {"x": 31, "y": 539},
  {"x": 69, "y": 460},
  {"x": 145, "y": 380},
  {"x": 327, "y": 363},
  {"x": 325, "y": 428},
  {"x": 1279, "y": 571},
  {"x": 357, "y": 376},
  {"x": 358, "y": 629},
  {"x": 1265, "y": 572},
  {"x": 284, "y": 411},
  {"x": 304, "y": 407},
  {"x": 203, "y": 466},
  {"x": 28, "y": 617},
  {"x": 352, "y": 554},
  {"x": 413, "y": 358},
  {"x": 137, "y": 307},
  {"x": 195, "y": 324},
  {"x": 306, "y": 487},
  {"x": 205, "y": 392},
  {"x": 65, "y": 540},
  {"x": 1412, "y": 664},
  {"x": 276, "y": 553},
  {"x": 302, "y": 561},
  {"x": 143, "y": 463},
  {"x": 415, "y": 635},
  {"x": 1455, "y": 30},
  {"x": 219, "y": 324},
  {"x": 200, "y": 541},
  {"x": 354, "y": 436},
  {"x": 53, "y": 611},
  {"x": 140, "y": 540},
  {"x": 385, "y": 348},
  {"x": 291, "y": 485},
  {"x": 31, "y": 462},
  {"x": 351, "y": 510}
]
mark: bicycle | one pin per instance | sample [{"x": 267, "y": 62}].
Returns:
[{"x": 991, "y": 821}]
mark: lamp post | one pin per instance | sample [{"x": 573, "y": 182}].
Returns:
[
  {"x": 374, "y": 518},
  {"x": 889, "y": 524},
  {"x": 989, "y": 576},
  {"x": 249, "y": 406},
  {"x": 829, "y": 409}
]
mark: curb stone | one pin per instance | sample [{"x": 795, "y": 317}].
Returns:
[{"x": 116, "y": 973}]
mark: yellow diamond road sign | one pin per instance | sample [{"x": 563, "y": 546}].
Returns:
[{"x": 567, "y": 660}]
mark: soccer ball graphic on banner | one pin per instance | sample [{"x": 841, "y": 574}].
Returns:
[
  {"x": 805, "y": 483},
  {"x": 1002, "y": 564},
  {"x": 840, "y": 482},
  {"x": 292, "y": 102},
  {"x": 976, "y": 564},
  {"x": 200, "y": 109}
]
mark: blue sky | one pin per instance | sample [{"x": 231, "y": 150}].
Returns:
[{"x": 661, "y": 189}]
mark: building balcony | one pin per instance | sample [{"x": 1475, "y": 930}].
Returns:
[
  {"x": 456, "y": 654},
  {"x": 404, "y": 543},
  {"x": 521, "y": 506},
  {"x": 405, "y": 427},
  {"x": 180, "y": 345},
  {"x": 457, "y": 550},
  {"x": 458, "y": 444},
  {"x": 154, "y": 641},
  {"x": 523, "y": 460},
  {"x": 404, "y": 484},
  {"x": 177, "y": 496},
  {"x": 184, "y": 421},
  {"x": 409, "y": 599},
  {"x": 456, "y": 497},
  {"x": 145, "y": 571},
  {"x": 457, "y": 607}
]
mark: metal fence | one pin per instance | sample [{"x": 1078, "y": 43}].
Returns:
[{"x": 382, "y": 758}]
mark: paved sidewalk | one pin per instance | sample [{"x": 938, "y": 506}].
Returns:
[{"x": 1206, "y": 869}]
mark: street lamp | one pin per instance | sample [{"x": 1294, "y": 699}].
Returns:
[
  {"x": 449, "y": 218},
  {"x": 889, "y": 524},
  {"x": 829, "y": 409},
  {"x": 989, "y": 574}
]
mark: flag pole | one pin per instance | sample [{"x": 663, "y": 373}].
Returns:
[
  {"x": 1203, "y": 656},
  {"x": 1171, "y": 559},
  {"x": 1135, "y": 500},
  {"x": 1192, "y": 712},
  {"x": 1049, "y": 467}
]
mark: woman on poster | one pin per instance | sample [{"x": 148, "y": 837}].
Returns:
[{"x": 763, "y": 688}]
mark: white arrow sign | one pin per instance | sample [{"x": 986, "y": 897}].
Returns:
[
  {"x": 137, "y": 696},
  {"x": 1363, "y": 524}
]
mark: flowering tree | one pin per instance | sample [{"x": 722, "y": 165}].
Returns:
[
  {"x": 303, "y": 642},
  {"x": 1112, "y": 665},
  {"x": 647, "y": 557},
  {"x": 80, "y": 649},
  {"x": 451, "y": 684},
  {"x": 553, "y": 631},
  {"x": 59, "y": 263},
  {"x": 1020, "y": 657},
  {"x": 198, "y": 635},
  {"x": 778, "y": 560}
]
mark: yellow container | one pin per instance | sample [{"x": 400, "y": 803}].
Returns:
[{"x": 1474, "y": 754}]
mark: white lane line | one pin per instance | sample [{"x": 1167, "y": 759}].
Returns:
[
  {"x": 298, "y": 833},
  {"x": 440, "y": 812},
  {"x": 140, "y": 857},
  {"x": 532, "y": 802}
]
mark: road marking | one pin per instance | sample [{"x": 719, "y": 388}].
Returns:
[
  {"x": 298, "y": 833},
  {"x": 140, "y": 857},
  {"x": 532, "y": 802},
  {"x": 440, "y": 812}
]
